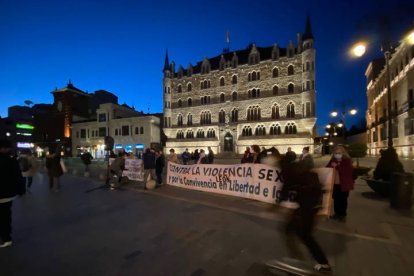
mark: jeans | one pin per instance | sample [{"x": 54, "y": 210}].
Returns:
[{"x": 5, "y": 221}]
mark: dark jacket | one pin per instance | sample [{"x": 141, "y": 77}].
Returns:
[
  {"x": 149, "y": 160},
  {"x": 54, "y": 169},
  {"x": 159, "y": 163},
  {"x": 12, "y": 182},
  {"x": 344, "y": 169},
  {"x": 210, "y": 157},
  {"x": 86, "y": 158}
]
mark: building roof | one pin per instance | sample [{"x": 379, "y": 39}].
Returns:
[{"x": 70, "y": 87}]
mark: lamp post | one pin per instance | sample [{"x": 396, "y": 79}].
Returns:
[
  {"x": 387, "y": 55},
  {"x": 343, "y": 114}
]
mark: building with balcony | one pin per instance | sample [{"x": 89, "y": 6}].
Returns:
[
  {"x": 401, "y": 74},
  {"x": 258, "y": 95}
]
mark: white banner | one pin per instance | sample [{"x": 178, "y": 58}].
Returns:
[
  {"x": 133, "y": 169},
  {"x": 255, "y": 181}
]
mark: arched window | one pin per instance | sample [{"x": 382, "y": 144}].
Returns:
[
  {"x": 211, "y": 133},
  {"x": 234, "y": 115},
  {"x": 222, "y": 116},
  {"x": 202, "y": 85},
  {"x": 222, "y": 81},
  {"x": 291, "y": 88},
  {"x": 275, "y": 90},
  {"x": 275, "y": 130},
  {"x": 253, "y": 113},
  {"x": 260, "y": 130},
  {"x": 254, "y": 77},
  {"x": 205, "y": 118},
  {"x": 275, "y": 112},
  {"x": 275, "y": 72},
  {"x": 200, "y": 133},
  {"x": 222, "y": 97},
  {"x": 116, "y": 132},
  {"x": 189, "y": 120},
  {"x": 180, "y": 134},
  {"x": 247, "y": 131},
  {"x": 189, "y": 87},
  {"x": 136, "y": 130},
  {"x": 234, "y": 96},
  {"x": 179, "y": 120},
  {"x": 142, "y": 130},
  {"x": 189, "y": 102},
  {"x": 180, "y": 103},
  {"x": 290, "y": 128},
  {"x": 179, "y": 89},
  {"x": 189, "y": 134},
  {"x": 249, "y": 77},
  {"x": 291, "y": 71},
  {"x": 290, "y": 110},
  {"x": 234, "y": 79}
]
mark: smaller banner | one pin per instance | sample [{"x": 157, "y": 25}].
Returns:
[{"x": 133, "y": 169}]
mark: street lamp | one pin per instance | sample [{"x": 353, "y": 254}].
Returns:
[{"x": 343, "y": 112}]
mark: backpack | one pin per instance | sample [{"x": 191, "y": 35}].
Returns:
[{"x": 24, "y": 164}]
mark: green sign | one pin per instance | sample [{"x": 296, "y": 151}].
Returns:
[{"x": 24, "y": 126}]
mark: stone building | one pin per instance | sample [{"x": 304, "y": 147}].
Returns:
[
  {"x": 131, "y": 130},
  {"x": 258, "y": 95},
  {"x": 401, "y": 73}
]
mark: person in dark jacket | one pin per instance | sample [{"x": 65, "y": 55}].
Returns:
[
  {"x": 86, "y": 158},
  {"x": 344, "y": 181},
  {"x": 210, "y": 156},
  {"x": 308, "y": 193},
  {"x": 306, "y": 159},
  {"x": 54, "y": 170},
  {"x": 12, "y": 184},
  {"x": 149, "y": 166},
  {"x": 159, "y": 166}
]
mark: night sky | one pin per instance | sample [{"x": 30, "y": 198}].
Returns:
[{"x": 119, "y": 45}]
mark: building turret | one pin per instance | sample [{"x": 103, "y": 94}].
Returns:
[{"x": 307, "y": 35}]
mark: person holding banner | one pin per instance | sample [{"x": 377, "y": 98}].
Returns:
[
  {"x": 172, "y": 157},
  {"x": 301, "y": 222},
  {"x": 255, "y": 153},
  {"x": 344, "y": 182},
  {"x": 159, "y": 166}
]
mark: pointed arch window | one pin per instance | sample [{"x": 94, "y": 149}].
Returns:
[
  {"x": 234, "y": 79},
  {"x": 291, "y": 70},
  {"x": 290, "y": 110},
  {"x": 189, "y": 120},
  {"x": 205, "y": 118},
  {"x": 275, "y": 129},
  {"x": 291, "y": 88},
  {"x": 254, "y": 93},
  {"x": 200, "y": 133},
  {"x": 211, "y": 133},
  {"x": 222, "y": 97},
  {"x": 179, "y": 120},
  {"x": 247, "y": 131},
  {"x": 179, "y": 88},
  {"x": 253, "y": 113},
  {"x": 275, "y": 112},
  {"x": 189, "y": 87},
  {"x": 180, "y": 134},
  {"x": 234, "y": 96},
  {"x": 222, "y": 81},
  {"x": 189, "y": 102},
  {"x": 234, "y": 115},
  {"x": 190, "y": 134},
  {"x": 260, "y": 130},
  {"x": 222, "y": 116},
  {"x": 290, "y": 128},
  {"x": 275, "y": 90},
  {"x": 180, "y": 103},
  {"x": 275, "y": 72}
]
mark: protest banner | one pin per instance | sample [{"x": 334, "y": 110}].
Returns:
[
  {"x": 254, "y": 181},
  {"x": 133, "y": 169}
]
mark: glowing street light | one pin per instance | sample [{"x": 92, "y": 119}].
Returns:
[
  {"x": 328, "y": 126},
  {"x": 334, "y": 113},
  {"x": 358, "y": 50},
  {"x": 340, "y": 125},
  {"x": 353, "y": 111}
]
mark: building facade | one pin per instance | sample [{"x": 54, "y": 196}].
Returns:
[
  {"x": 258, "y": 95},
  {"x": 401, "y": 75},
  {"x": 131, "y": 130}
]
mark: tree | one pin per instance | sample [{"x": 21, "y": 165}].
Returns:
[
  {"x": 28, "y": 102},
  {"x": 357, "y": 151}
]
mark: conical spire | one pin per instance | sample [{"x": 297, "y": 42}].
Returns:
[
  {"x": 166, "y": 63},
  {"x": 308, "y": 30}
]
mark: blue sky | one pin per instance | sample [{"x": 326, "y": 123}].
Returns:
[{"x": 120, "y": 45}]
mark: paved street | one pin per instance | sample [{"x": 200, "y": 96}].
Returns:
[{"x": 85, "y": 230}]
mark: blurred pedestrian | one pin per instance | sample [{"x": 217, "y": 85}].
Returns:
[
  {"x": 195, "y": 156},
  {"x": 202, "y": 159},
  {"x": 210, "y": 156},
  {"x": 186, "y": 156},
  {"x": 306, "y": 159},
  {"x": 28, "y": 166},
  {"x": 116, "y": 169},
  {"x": 290, "y": 154},
  {"x": 86, "y": 158},
  {"x": 344, "y": 182},
  {"x": 247, "y": 156},
  {"x": 54, "y": 169},
  {"x": 12, "y": 184},
  {"x": 255, "y": 149}
]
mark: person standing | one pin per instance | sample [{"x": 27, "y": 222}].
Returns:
[
  {"x": 87, "y": 160},
  {"x": 28, "y": 166},
  {"x": 186, "y": 156},
  {"x": 306, "y": 159},
  {"x": 255, "y": 149},
  {"x": 159, "y": 166},
  {"x": 195, "y": 156},
  {"x": 172, "y": 157},
  {"x": 344, "y": 182},
  {"x": 290, "y": 154},
  {"x": 12, "y": 184},
  {"x": 54, "y": 170},
  {"x": 210, "y": 156},
  {"x": 148, "y": 159},
  {"x": 247, "y": 156},
  {"x": 202, "y": 159}
]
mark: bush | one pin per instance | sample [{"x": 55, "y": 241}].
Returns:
[
  {"x": 387, "y": 164},
  {"x": 357, "y": 151}
]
